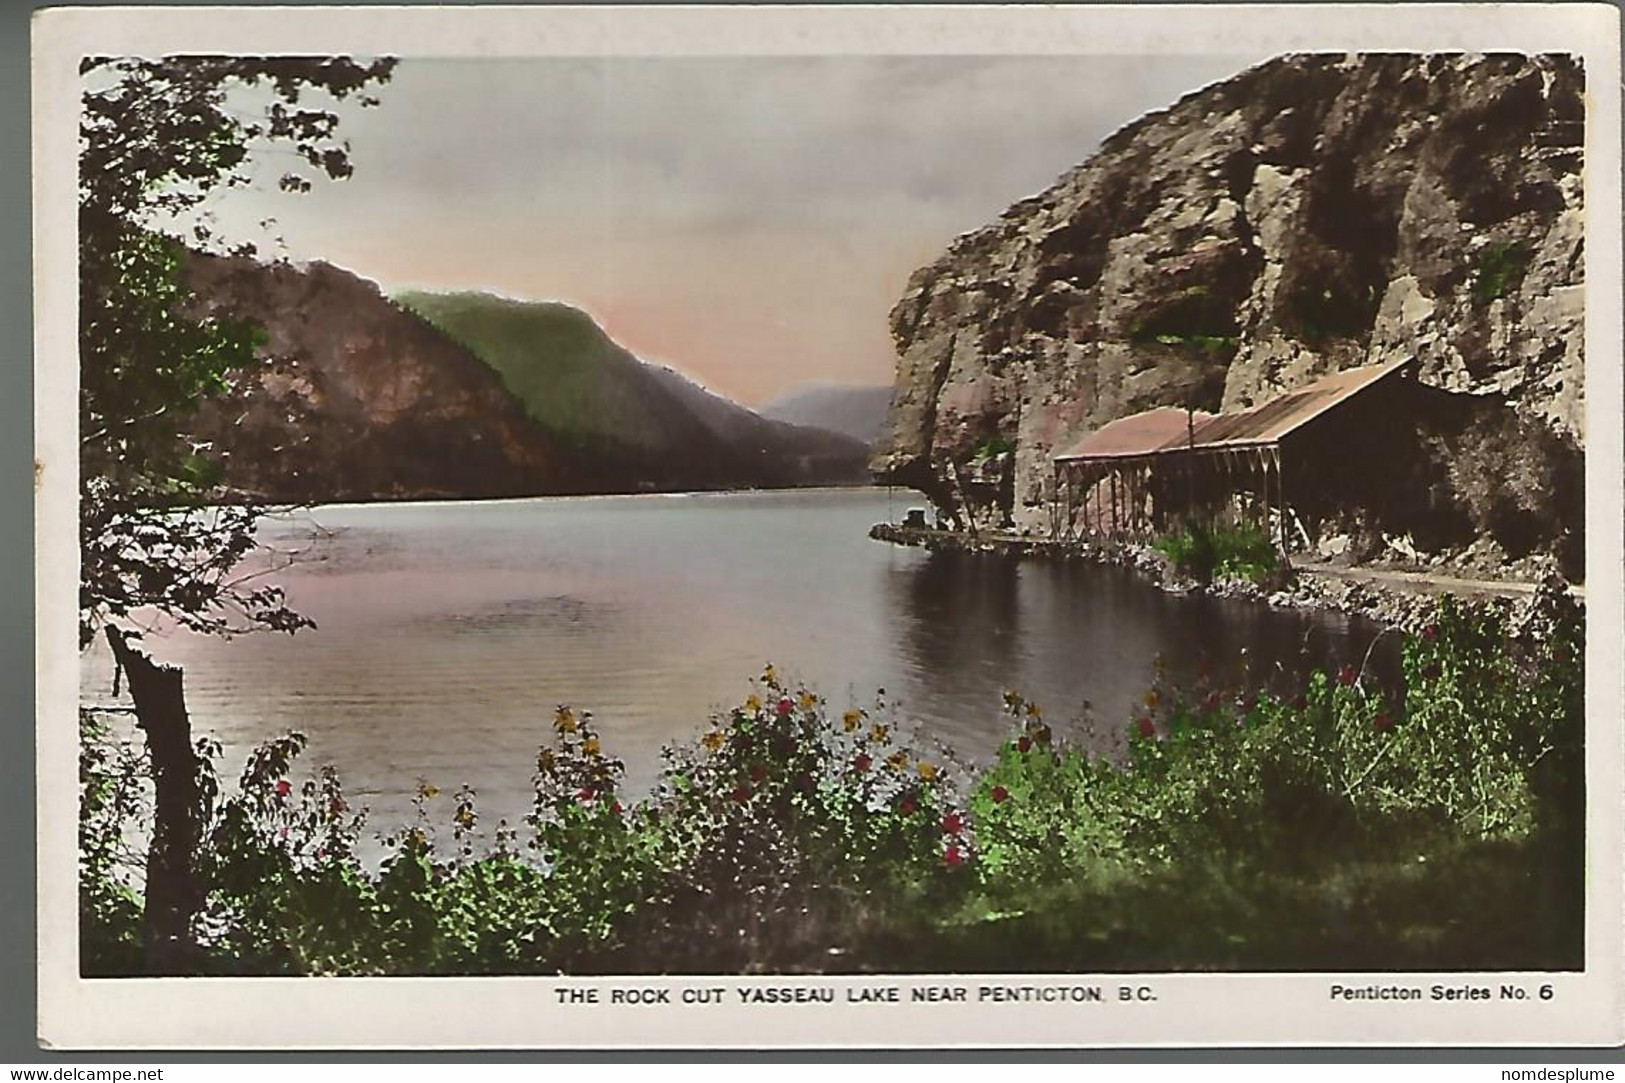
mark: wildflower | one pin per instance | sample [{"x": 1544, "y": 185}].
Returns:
[
  {"x": 807, "y": 699},
  {"x": 283, "y": 788},
  {"x": 878, "y": 734},
  {"x": 615, "y": 807},
  {"x": 952, "y": 824},
  {"x": 590, "y": 746},
  {"x": 1383, "y": 721},
  {"x": 927, "y": 771},
  {"x": 758, "y": 773},
  {"x": 1033, "y": 711},
  {"x": 907, "y": 806},
  {"x": 1152, "y": 698},
  {"x": 283, "y": 834},
  {"x": 861, "y": 762},
  {"x": 464, "y": 816},
  {"x": 416, "y": 837},
  {"x": 741, "y": 795},
  {"x": 753, "y": 703},
  {"x": 545, "y": 759},
  {"x": 851, "y": 720},
  {"x": 785, "y": 706},
  {"x": 1148, "y": 728},
  {"x": 586, "y": 794},
  {"x": 1211, "y": 703},
  {"x": 336, "y": 807},
  {"x": 953, "y": 856},
  {"x": 564, "y": 720},
  {"x": 1023, "y": 743},
  {"x": 1431, "y": 632},
  {"x": 712, "y": 741},
  {"x": 428, "y": 790},
  {"x": 1347, "y": 676},
  {"x": 999, "y": 794},
  {"x": 1012, "y": 701},
  {"x": 769, "y": 674},
  {"x": 1041, "y": 734},
  {"x": 897, "y": 760}
]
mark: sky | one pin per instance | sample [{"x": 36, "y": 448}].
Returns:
[{"x": 747, "y": 221}]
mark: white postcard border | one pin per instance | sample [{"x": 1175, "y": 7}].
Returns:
[{"x": 452, "y": 1013}]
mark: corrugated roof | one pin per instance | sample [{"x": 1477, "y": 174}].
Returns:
[
  {"x": 1165, "y": 428},
  {"x": 1137, "y": 434}
]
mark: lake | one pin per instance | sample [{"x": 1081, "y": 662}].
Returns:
[{"x": 447, "y": 634}]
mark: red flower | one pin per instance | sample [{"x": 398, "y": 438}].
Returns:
[
  {"x": 336, "y": 807},
  {"x": 283, "y": 787},
  {"x": 1347, "y": 676},
  {"x": 999, "y": 794},
  {"x": 1148, "y": 728},
  {"x": 953, "y": 856},
  {"x": 741, "y": 795},
  {"x": 1430, "y": 632},
  {"x": 1212, "y": 702},
  {"x": 758, "y": 772},
  {"x": 907, "y": 806},
  {"x": 861, "y": 761},
  {"x": 1383, "y": 721},
  {"x": 586, "y": 794},
  {"x": 785, "y": 706},
  {"x": 1023, "y": 743},
  {"x": 615, "y": 808},
  {"x": 952, "y": 824}
]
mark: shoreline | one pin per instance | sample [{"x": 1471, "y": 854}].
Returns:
[{"x": 1393, "y": 598}]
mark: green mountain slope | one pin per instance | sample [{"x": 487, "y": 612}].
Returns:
[{"x": 596, "y": 398}]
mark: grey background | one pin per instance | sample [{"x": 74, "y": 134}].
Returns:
[{"x": 17, "y": 866}]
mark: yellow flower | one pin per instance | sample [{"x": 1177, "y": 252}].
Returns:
[
  {"x": 545, "y": 760},
  {"x": 712, "y": 741},
  {"x": 851, "y": 720},
  {"x": 928, "y": 771},
  {"x": 770, "y": 674},
  {"x": 417, "y": 838},
  {"x": 1012, "y": 700},
  {"x": 564, "y": 720},
  {"x": 1151, "y": 698},
  {"x": 1033, "y": 711},
  {"x": 807, "y": 699},
  {"x": 590, "y": 746},
  {"x": 753, "y": 702},
  {"x": 877, "y": 734},
  {"x": 428, "y": 789},
  {"x": 465, "y": 817},
  {"x": 897, "y": 760}
]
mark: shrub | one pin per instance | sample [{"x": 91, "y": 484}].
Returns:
[
  {"x": 1231, "y": 830},
  {"x": 1204, "y": 553}
]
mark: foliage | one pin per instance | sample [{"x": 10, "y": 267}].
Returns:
[
  {"x": 1205, "y": 553},
  {"x": 1499, "y": 270},
  {"x": 158, "y": 137},
  {"x": 992, "y": 447},
  {"x": 1239, "y": 829}
]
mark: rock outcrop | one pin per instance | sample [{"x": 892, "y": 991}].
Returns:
[{"x": 1311, "y": 214}]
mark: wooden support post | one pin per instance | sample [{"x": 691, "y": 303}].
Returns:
[{"x": 172, "y": 892}]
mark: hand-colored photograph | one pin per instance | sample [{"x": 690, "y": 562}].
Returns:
[{"x": 831, "y": 515}]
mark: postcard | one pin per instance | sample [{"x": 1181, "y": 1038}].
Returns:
[{"x": 788, "y": 526}]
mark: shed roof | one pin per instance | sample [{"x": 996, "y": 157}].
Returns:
[{"x": 1165, "y": 429}]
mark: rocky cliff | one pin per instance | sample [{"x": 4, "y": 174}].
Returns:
[
  {"x": 358, "y": 399},
  {"x": 1308, "y": 215}
]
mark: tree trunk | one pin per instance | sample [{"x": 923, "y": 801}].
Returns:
[{"x": 172, "y": 890}]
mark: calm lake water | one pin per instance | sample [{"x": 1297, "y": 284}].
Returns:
[{"x": 447, "y": 633}]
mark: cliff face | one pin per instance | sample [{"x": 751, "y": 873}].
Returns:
[
  {"x": 359, "y": 399},
  {"x": 1308, "y": 215}
]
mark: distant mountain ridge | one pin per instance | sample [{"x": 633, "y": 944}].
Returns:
[
  {"x": 360, "y": 397},
  {"x": 595, "y": 396},
  {"x": 858, "y": 412}
]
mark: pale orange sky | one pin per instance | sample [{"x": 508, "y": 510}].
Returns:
[{"x": 748, "y": 221}]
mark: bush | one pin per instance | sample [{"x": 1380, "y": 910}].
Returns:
[
  {"x": 1237, "y": 829},
  {"x": 1204, "y": 553}
]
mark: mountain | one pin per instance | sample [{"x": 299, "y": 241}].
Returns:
[
  {"x": 1311, "y": 214},
  {"x": 597, "y": 398},
  {"x": 858, "y": 412},
  {"x": 358, "y": 399}
]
